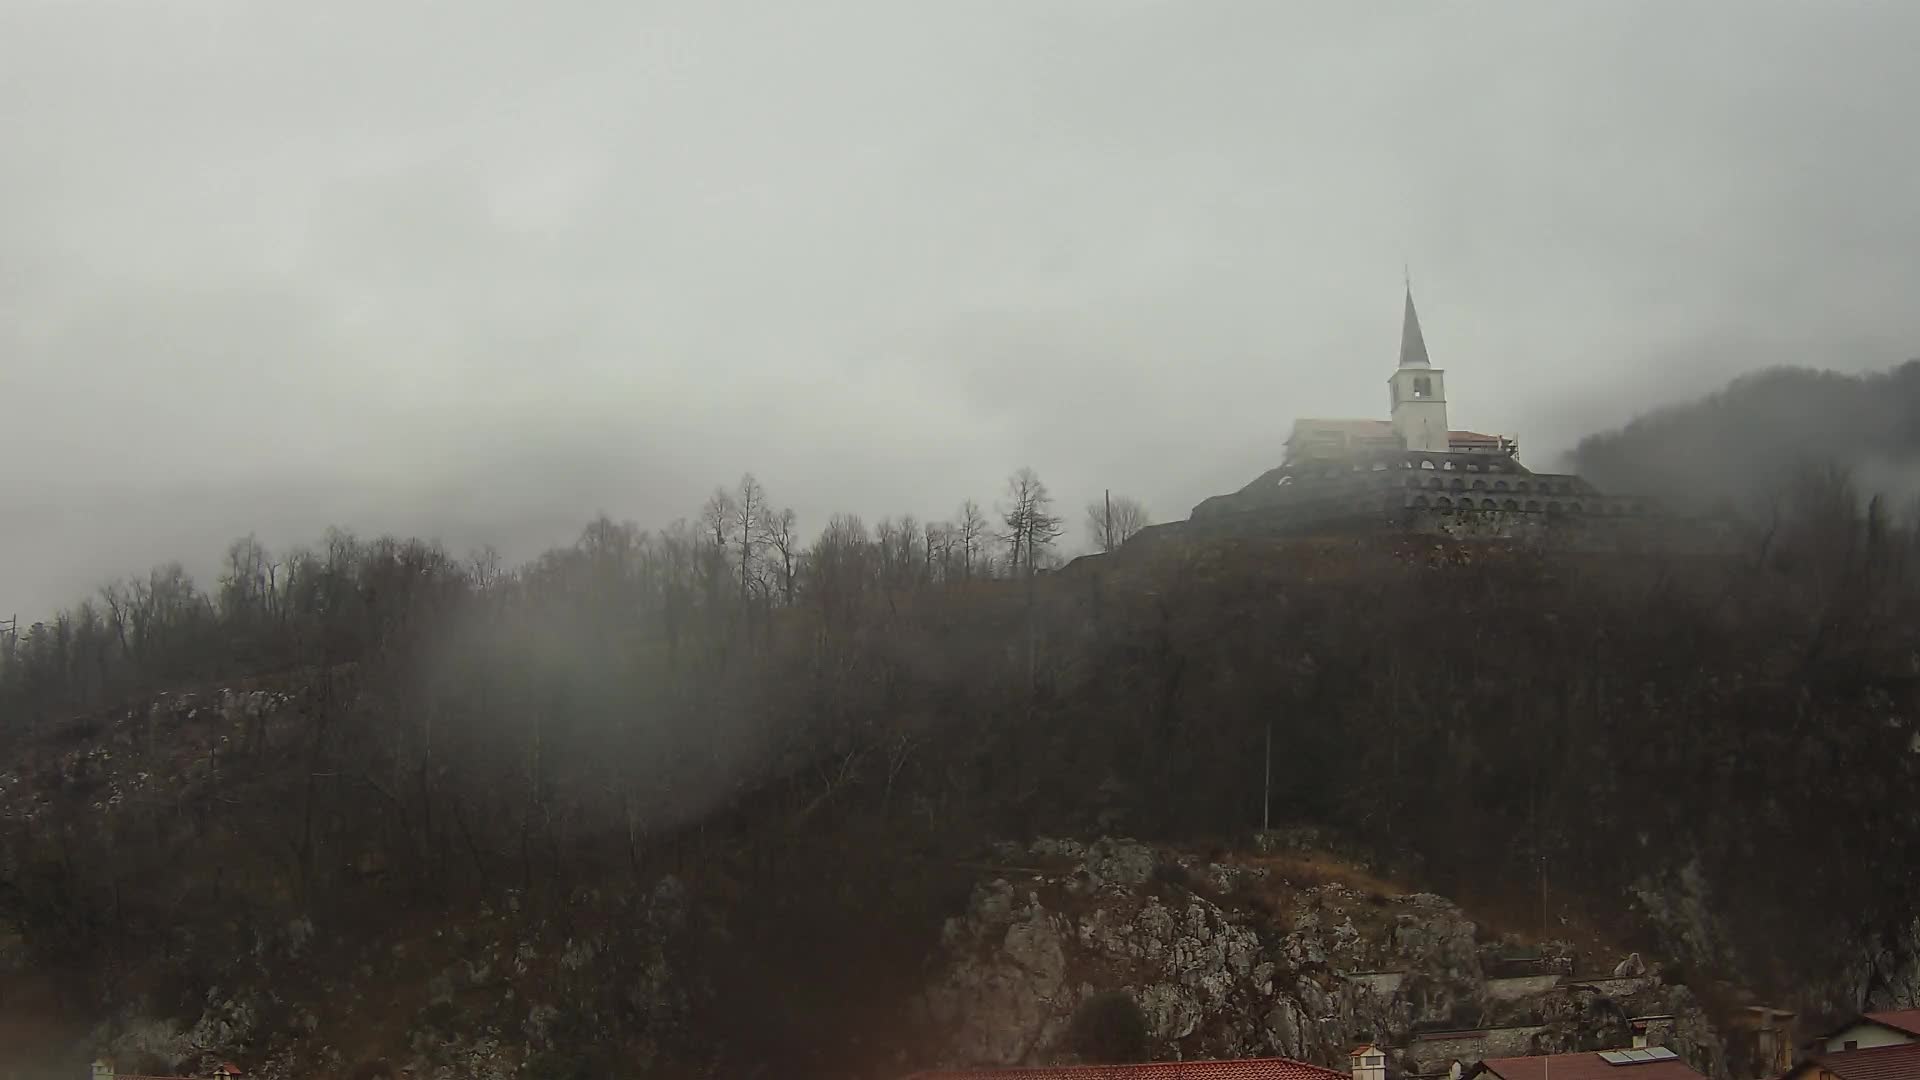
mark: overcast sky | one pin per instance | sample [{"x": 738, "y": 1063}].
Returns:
[{"x": 480, "y": 269}]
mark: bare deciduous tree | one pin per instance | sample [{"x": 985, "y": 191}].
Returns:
[
  {"x": 716, "y": 519},
  {"x": 749, "y": 507},
  {"x": 1030, "y": 524},
  {"x": 936, "y": 547},
  {"x": 1113, "y": 521},
  {"x": 970, "y": 532},
  {"x": 779, "y": 534}
]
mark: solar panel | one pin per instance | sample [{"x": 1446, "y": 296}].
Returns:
[{"x": 1638, "y": 1055}]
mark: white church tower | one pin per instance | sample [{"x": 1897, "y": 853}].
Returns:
[{"x": 1419, "y": 390}]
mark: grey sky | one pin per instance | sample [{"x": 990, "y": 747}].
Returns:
[{"x": 481, "y": 269}]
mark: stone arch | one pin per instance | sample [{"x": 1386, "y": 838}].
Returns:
[
  {"x": 1489, "y": 504},
  {"x": 1421, "y": 501},
  {"x": 1521, "y": 485},
  {"x": 1426, "y": 463},
  {"x": 1457, "y": 484},
  {"x": 1533, "y": 505},
  {"x": 1435, "y": 483},
  {"x": 1511, "y": 504},
  {"x": 1447, "y": 465},
  {"x": 1479, "y": 485},
  {"x": 1443, "y": 503},
  {"x": 1499, "y": 485}
]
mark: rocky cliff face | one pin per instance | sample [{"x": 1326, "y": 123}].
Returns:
[
  {"x": 1231, "y": 958},
  {"x": 483, "y": 996}
]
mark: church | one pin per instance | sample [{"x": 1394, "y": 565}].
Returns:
[{"x": 1412, "y": 469}]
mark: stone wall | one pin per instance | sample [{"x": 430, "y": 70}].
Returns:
[
  {"x": 1517, "y": 987},
  {"x": 1434, "y": 1051}
]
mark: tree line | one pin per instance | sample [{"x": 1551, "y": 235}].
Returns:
[
  {"x": 818, "y": 734},
  {"x": 741, "y": 558}
]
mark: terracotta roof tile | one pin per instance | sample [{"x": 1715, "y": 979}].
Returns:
[
  {"x": 1586, "y": 1066},
  {"x": 1247, "y": 1069},
  {"x": 1900, "y": 1062},
  {"x": 1907, "y": 1020}
]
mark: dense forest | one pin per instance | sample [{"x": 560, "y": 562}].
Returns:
[{"x": 809, "y": 732}]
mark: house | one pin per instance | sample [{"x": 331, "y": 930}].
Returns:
[
  {"x": 1871, "y": 1046},
  {"x": 1641, "y": 1063},
  {"x": 1894, "y": 1061},
  {"x": 1868, "y": 1030},
  {"x": 1245, "y": 1069}
]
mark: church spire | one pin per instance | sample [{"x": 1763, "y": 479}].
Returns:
[{"x": 1413, "y": 346}]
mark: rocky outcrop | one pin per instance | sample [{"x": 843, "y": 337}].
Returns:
[{"x": 1228, "y": 959}]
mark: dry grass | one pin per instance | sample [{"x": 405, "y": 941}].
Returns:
[{"x": 1308, "y": 870}]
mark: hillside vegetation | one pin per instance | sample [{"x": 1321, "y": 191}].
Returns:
[{"x": 756, "y": 774}]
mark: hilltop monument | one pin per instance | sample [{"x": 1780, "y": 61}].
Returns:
[{"x": 1412, "y": 470}]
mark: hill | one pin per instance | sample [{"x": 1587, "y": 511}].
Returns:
[
  {"x": 1738, "y": 445},
  {"x": 616, "y": 807}
]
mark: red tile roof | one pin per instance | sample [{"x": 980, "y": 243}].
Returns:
[
  {"x": 1900, "y": 1062},
  {"x": 1246, "y": 1069},
  {"x": 1586, "y": 1066},
  {"x": 1907, "y": 1020}
]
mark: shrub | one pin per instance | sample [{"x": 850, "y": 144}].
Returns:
[{"x": 1109, "y": 1029}]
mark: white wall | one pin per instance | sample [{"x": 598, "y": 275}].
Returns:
[{"x": 1868, "y": 1036}]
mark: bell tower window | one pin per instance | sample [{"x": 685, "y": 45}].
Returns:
[{"x": 1422, "y": 386}]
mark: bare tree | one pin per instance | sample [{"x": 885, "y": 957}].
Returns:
[
  {"x": 970, "y": 532},
  {"x": 937, "y": 548},
  {"x": 245, "y": 592},
  {"x": 716, "y": 519},
  {"x": 749, "y": 507},
  {"x": 1112, "y": 521},
  {"x": 779, "y": 534},
  {"x": 1030, "y": 524},
  {"x": 840, "y": 566},
  {"x": 905, "y": 560}
]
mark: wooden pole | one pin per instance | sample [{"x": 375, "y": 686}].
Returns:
[{"x": 1266, "y": 783}]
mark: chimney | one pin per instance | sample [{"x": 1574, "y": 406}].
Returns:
[
  {"x": 1651, "y": 1031},
  {"x": 1369, "y": 1062}
]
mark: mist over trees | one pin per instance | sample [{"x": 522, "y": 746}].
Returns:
[
  {"x": 705, "y": 582},
  {"x": 1731, "y": 449},
  {"x": 816, "y": 732}
]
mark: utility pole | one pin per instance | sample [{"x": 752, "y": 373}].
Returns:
[
  {"x": 1106, "y": 539},
  {"x": 1266, "y": 782}
]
